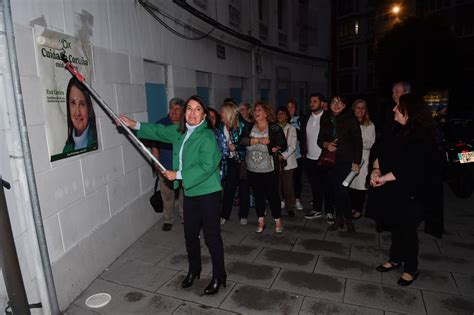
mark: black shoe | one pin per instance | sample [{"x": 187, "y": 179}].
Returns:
[
  {"x": 406, "y": 283},
  {"x": 167, "y": 227},
  {"x": 213, "y": 287},
  {"x": 189, "y": 280},
  {"x": 382, "y": 268}
]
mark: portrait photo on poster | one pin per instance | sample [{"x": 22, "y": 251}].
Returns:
[{"x": 69, "y": 112}]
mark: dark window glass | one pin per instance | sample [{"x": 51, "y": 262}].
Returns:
[
  {"x": 280, "y": 14},
  {"x": 260, "y": 9},
  {"x": 345, "y": 83},
  {"x": 346, "y": 58}
]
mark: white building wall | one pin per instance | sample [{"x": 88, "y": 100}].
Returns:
[{"x": 95, "y": 205}]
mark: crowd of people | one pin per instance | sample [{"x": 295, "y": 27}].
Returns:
[{"x": 214, "y": 155}]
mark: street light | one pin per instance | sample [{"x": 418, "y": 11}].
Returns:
[{"x": 396, "y": 9}]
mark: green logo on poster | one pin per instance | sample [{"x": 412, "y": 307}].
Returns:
[{"x": 66, "y": 44}]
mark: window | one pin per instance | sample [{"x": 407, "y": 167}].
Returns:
[
  {"x": 348, "y": 29},
  {"x": 345, "y": 58},
  {"x": 349, "y": 57},
  {"x": 345, "y": 83},
  {"x": 280, "y": 14},
  {"x": 345, "y": 7},
  {"x": 260, "y": 9},
  {"x": 234, "y": 13}
]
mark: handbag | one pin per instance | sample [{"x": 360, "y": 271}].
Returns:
[
  {"x": 327, "y": 159},
  {"x": 156, "y": 200}
]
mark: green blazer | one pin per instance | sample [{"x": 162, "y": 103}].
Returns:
[{"x": 201, "y": 156}]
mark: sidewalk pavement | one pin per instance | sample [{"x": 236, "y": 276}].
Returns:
[{"x": 307, "y": 270}]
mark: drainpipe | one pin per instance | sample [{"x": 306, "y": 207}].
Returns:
[{"x": 28, "y": 161}]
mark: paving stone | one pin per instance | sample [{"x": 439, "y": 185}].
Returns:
[
  {"x": 310, "y": 284},
  {"x": 430, "y": 280},
  {"x": 246, "y": 299},
  {"x": 270, "y": 240},
  {"x": 173, "y": 239},
  {"x": 126, "y": 300},
  {"x": 370, "y": 253},
  {"x": 322, "y": 248},
  {"x": 232, "y": 236},
  {"x": 138, "y": 274},
  {"x": 439, "y": 303},
  {"x": 250, "y": 273},
  {"x": 465, "y": 283},
  {"x": 199, "y": 309},
  {"x": 147, "y": 252},
  {"x": 241, "y": 252},
  {"x": 345, "y": 268},
  {"x": 298, "y": 219},
  {"x": 75, "y": 310},
  {"x": 304, "y": 232},
  {"x": 361, "y": 238},
  {"x": 389, "y": 298},
  {"x": 316, "y": 306},
  {"x": 287, "y": 259},
  {"x": 445, "y": 263},
  {"x": 456, "y": 248},
  {"x": 196, "y": 292},
  {"x": 179, "y": 261},
  {"x": 426, "y": 245},
  {"x": 365, "y": 225}
]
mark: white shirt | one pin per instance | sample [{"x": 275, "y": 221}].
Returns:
[
  {"x": 80, "y": 142},
  {"x": 312, "y": 132},
  {"x": 189, "y": 131}
]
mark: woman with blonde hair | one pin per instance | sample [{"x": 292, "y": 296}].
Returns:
[
  {"x": 358, "y": 187},
  {"x": 232, "y": 127},
  {"x": 264, "y": 139}
]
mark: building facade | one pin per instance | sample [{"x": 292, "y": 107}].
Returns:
[{"x": 95, "y": 205}]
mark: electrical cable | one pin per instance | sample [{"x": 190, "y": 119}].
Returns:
[
  {"x": 183, "y": 4},
  {"x": 151, "y": 8}
]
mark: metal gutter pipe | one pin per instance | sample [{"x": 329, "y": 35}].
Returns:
[{"x": 28, "y": 161}]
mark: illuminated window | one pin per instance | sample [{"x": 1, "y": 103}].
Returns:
[{"x": 356, "y": 27}]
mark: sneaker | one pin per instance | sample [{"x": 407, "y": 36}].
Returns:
[
  {"x": 299, "y": 206},
  {"x": 243, "y": 221},
  {"x": 330, "y": 218},
  {"x": 282, "y": 204},
  {"x": 223, "y": 221},
  {"x": 314, "y": 215}
]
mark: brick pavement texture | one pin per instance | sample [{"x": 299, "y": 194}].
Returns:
[{"x": 304, "y": 271}]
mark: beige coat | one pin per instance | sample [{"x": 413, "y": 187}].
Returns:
[{"x": 368, "y": 139}]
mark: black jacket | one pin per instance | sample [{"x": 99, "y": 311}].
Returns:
[
  {"x": 347, "y": 133},
  {"x": 275, "y": 133}
]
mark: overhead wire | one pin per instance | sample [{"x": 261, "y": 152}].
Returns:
[{"x": 150, "y": 8}]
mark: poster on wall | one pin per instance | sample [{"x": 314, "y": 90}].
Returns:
[{"x": 70, "y": 119}]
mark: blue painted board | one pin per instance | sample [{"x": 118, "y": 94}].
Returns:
[{"x": 156, "y": 101}]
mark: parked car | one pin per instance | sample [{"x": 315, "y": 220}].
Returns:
[{"x": 458, "y": 145}]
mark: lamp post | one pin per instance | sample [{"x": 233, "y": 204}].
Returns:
[{"x": 396, "y": 10}]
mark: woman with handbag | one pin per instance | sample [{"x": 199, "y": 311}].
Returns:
[
  {"x": 263, "y": 140},
  {"x": 196, "y": 165},
  {"x": 341, "y": 140},
  {"x": 232, "y": 127},
  {"x": 405, "y": 172},
  {"x": 288, "y": 163}
]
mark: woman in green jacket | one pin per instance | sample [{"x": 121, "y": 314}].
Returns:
[{"x": 196, "y": 158}]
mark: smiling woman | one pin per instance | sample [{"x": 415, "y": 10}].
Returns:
[
  {"x": 196, "y": 159},
  {"x": 82, "y": 132}
]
